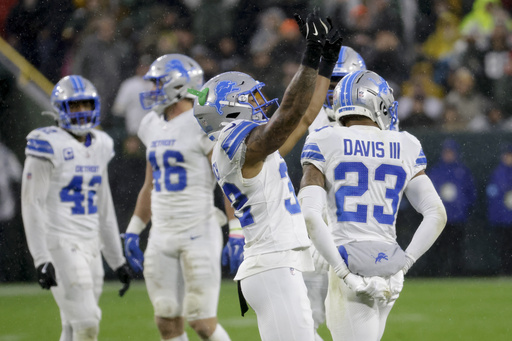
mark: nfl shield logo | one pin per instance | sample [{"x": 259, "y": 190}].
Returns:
[{"x": 68, "y": 154}]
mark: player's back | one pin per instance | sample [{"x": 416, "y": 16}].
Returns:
[
  {"x": 183, "y": 182},
  {"x": 266, "y": 205},
  {"x": 366, "y": 171},
  {"x": 78, "y": 169}
]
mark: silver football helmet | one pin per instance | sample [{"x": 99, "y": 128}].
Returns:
[
  {"x": 227, "y": 97},
  {"x": 365, "y": 93},
  {"x": 172, "y": 74},
  {"x": 75, "y": 89},
  {"x": 348, "y": 61}
]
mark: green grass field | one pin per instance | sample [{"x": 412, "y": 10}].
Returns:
[{"x": 428, "y": 309}]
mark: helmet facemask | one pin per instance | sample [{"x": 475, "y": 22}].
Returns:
[
  {"x": 228, "y": 97},
  {"x": 65, "y": 99}
]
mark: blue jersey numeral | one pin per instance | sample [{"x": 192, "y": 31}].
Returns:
[
  {"x": 169, "y": 170},
  {"x": 73, "y": 193},
  {"x": 238, "y": 200},
  {"x": 293, "y": 208},
  {"x": 361, "y": 213}
]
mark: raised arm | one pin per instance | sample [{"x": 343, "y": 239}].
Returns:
[
  {"x": 330, "y": 53},
  {"x": 322, "y": 85},
  {"x": 267, "y": 138}
]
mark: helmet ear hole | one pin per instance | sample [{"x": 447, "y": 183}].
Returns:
[{"x": 233, "y": 115}]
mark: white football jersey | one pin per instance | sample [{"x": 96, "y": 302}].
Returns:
[
  {"x": 72, "y": 205},
  {"x": 183, "y": 181},
  {"x": 366, "y": 171},
  {"x": 266, "y": 204},
  {"x": 321, "y": 120}
]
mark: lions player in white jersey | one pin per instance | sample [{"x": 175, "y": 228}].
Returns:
[
  {"x": 317, "y": 281},
  {"x": 364, "y": 168},
  {"x": 231, "y": 109},
  {"x": 182, "y": 260},
  {"x": 67, "y": 208}
]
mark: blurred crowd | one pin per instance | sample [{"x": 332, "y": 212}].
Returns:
[{"x": 448, "y": 61}]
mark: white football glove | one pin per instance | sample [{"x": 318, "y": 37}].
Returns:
[
  {"x": 377, "y": 288},
  {"x": 354, "y": 282},
  {"x": 396, "y": 284}
]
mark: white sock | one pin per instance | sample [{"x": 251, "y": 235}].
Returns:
[
  {"x": 182, "y": 337},
  {"x": 219, "y": 334}
]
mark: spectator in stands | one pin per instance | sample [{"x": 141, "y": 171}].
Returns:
[
  {"x": 499, "y": 208},
  {"x": 493, "y": 120},
  {"x": 468, "y": 101},
  {"x": 386, "y": 57},
  {"x": 454, "y": 183},
  {"x": 439, "y": 46},
  {"x": 105, "y": 60},
  {"x": 496, "y": 65},
  {"x": 229, "y": 59},
  {"x": 23, "y": 25},
  {"x": 266, "y": 36},
  {"x": 451, "y": 120},
  {"x": 127, "y": 104}
]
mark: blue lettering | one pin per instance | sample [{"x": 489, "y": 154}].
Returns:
[
  {"x": 87, "y": 169},
  {"x": 164, "y": 143},
  {"x": 347, "y": 146},
  {"x": 358, "y": 148},
  {"x": 367, "y": 149},
  {"x": 380, "y": 149}
]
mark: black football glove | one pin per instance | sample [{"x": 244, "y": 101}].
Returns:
[
  {"x": 332, "y": 45},
  {"x": 330, "y": 51},
  {"x": 46, "y": 275},
  {"x": 124, "y": 274},
  {"x": 314, "y": 29}
]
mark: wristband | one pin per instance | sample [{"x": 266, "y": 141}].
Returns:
[
  {"x": 136, "y": 225},
  {"x": 311, "y": 57},
  {"x": 235, "y": 229},
  {"x": 325, "y": 68}
]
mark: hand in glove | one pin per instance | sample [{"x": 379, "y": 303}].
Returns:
[
  {"x": 377, "y": 288},
  {"x": 124, "y": 274},
  {"x": 396, "y": 284},
  {"x": 314, "y": 29},
  {"x": 132, "y": 252},
  {"x": 46, "y": 275},
  {"x": 330, "y": 52}
]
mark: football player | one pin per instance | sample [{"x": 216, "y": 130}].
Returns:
[
  {"x": 67, "y": 208},
  {"x": 363, "y": 169},
  {"x": 317, "y": 280},
  {"x": 231, "y": 108},
  {"x": 181, "y": 263}
]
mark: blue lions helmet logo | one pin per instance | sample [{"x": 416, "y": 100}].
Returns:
[
  {"x": 176, "y": 64},
  {"x": 381, "y": 84},
  {"x": 380, "y": 257},
  {"x": 222, "y": 90}
]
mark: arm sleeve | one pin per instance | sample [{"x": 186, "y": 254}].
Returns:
[
  {"x": 423, "y": 197},
  {"x": 313, "y": 200},
  {"x": 34, "y": 190},
  {"x": 109, "y": 230}
]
